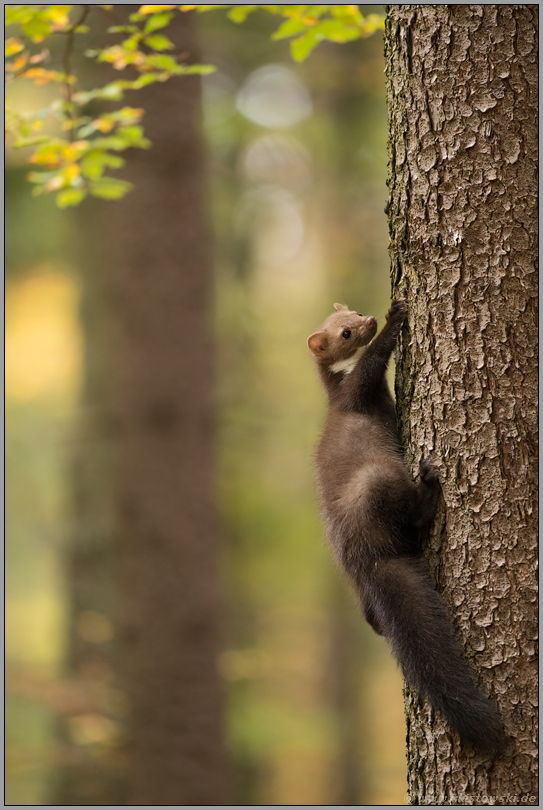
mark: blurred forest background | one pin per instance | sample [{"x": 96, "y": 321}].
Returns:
[{"x": 297, "y": 167}]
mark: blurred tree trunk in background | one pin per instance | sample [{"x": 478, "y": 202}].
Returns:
[
  {"x": 167, "y": 535},
  {"x": 92, "y": 774},
  {"x": 462, "y": 93},
  {"x": 85, "y": 776}
]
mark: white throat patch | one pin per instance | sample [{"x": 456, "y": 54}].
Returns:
[{"x": 347, "y": 365}]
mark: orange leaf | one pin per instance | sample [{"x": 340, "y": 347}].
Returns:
[
  {"x": 19, "y": 63},
  {"x": 40, "y": 75}
]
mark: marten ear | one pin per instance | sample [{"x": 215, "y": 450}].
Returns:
[
  {"x": 339, "y": 307},
  {"x": 318, "y": 343}
]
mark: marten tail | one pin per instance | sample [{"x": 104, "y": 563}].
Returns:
[{"x": 402, "y": 604}]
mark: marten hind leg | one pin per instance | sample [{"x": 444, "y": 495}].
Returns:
[
  {"x": 427, "y": 489},
  {"x": 371, "y": 618}
]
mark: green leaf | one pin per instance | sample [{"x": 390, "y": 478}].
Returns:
[
  {"x": 112, "y": 91},
  {"x": 162, "y": 62},
  {"x": 337, "y": 31},
  {"x": 157, "y": 21},
  {"x": 240, "y": 13},
  {"x": 124, "y": 138},
  {"x": 202, "y": 70},
  {"x": 40, "y": 177},
  {"x": 111, "y": 142},
  {"x": 315, "y": 11},
  {"x": 32, "y": 141},
  {"x": 109, "y": 188},
  {"x": 301, "y": 48},
  {"x": 14, "y": 14},
  {"x": 132, "y": 43},
  {"x": 349, "y": 14},
  {"x": 145, "y": 79},
  {"x": 85, "y": 131},
  {"x": 159, "y": 42},
  {"x": 122, "y": 29},
  {"x": 133, "y": 136},
  {"x": 70, "y": 196},
  {"x": 94, "y": 163},
  {"x": 36, "y": 28},
  {"x": 289, "y": 28}
]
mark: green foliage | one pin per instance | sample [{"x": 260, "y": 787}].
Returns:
[
  {"x": 73, "y": 166},
  {"x": 309, "y": 25}
]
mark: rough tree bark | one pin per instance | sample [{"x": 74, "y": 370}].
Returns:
[
  {"x": 167, "y": 545},
  {"x": 462, "y": 94}
]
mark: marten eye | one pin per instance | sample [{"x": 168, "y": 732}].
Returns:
[
  {"x": 346, "y": 334},
  {"x": 360, "y": 314}
]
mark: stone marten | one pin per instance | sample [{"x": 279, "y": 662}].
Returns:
[{"x": 374, "y": 512}]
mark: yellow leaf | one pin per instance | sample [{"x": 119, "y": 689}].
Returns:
[
  {"x": 153, "y": 9},
  {"x": 72, "y": 170},
  {"x": 72, "y": 151},
  {"x": 47, "y": 156},
  {"x": 103, "y": 126},
  {"x": 13, "y": 45},
  {"x": 59, "y": 17}
]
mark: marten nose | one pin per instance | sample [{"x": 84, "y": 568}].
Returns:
[{"x": 370, "y": 321}]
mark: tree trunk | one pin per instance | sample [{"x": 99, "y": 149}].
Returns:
[
  {"x": 85, "y": 776},
  {"x": 167, "y": 544},
  {"x": 462, "y": 94}
]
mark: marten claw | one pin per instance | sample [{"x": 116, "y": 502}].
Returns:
[
  {"x": 428, "y": 473},
  {"x": 397, "y": 311}
]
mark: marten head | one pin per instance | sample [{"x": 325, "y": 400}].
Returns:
[{"x": 339, "y": 341}]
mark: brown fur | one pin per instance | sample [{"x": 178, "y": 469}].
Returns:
[{"x": 374, "y": 511}]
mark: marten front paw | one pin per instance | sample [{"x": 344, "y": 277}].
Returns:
[
  {"x": 397, "y": 312},
  {"x": 428, "y": 473}
]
